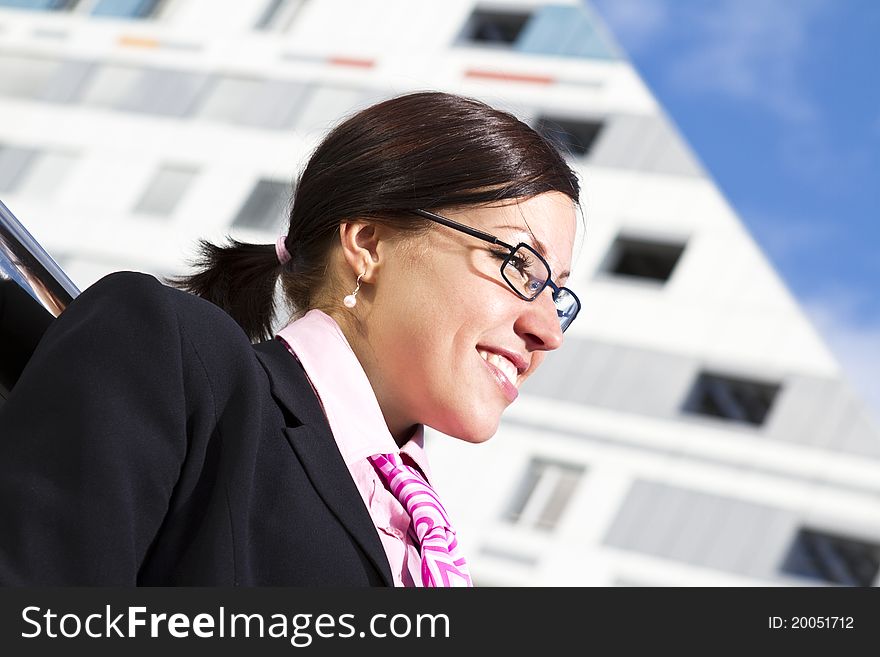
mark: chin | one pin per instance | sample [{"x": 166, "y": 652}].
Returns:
[{"x": 477, "y": 428}]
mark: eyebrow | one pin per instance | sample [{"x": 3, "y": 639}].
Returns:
[{"x": 538, "y": 244}]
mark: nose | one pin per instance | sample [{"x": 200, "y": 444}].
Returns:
[{"x": 538, "y": 323}]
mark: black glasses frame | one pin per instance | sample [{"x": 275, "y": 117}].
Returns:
[{"x": 488, "y": 237}]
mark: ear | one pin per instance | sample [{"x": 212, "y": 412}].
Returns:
[{"x": 363, "y": 247}]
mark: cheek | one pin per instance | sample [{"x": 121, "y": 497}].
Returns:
[{"x": 537, "y": 358}]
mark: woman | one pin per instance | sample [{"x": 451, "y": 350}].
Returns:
[{"x": 149, "y": 441}]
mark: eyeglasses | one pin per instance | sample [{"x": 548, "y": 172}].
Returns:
[{"x": 523, "y": 269}]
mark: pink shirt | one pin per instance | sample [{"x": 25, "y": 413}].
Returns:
[{"x": 360, "y": 431}]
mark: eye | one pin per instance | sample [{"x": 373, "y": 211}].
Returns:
[
  {"x": 534, "y": 284},
  {"x": 521, "y": 263}
]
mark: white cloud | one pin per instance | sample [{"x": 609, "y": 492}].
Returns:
[
  {"x": 751, "y": 50},
  {"x": 855, "y": 342}
]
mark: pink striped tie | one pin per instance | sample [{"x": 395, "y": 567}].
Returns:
[{"x": 442, "y": 562}]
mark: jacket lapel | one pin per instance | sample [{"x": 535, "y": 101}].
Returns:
[{"x": 316, "y": 448}]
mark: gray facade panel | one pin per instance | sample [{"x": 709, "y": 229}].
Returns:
[
  {"x": 669, "y": 154},
  {"x": 627, "y": 524},
  {"x": 702, "y": 529},
  {"x": 796, "y": 408},
  {"x": 769, "y": 545},
  {"x": 165, "y": 92},
  {"x": 659, "y": 529},
  {"x": 699, "y": 521},
  {"x": 822, "y": 413},
  {"x": 14, "y": 163},
  {"x": 646, "y": 143},
  {"x": 597, "y": 364},
  {"x": 621, "y": 143},
  {"x": 67, "y": 81},
  {"x": 731, "y": 543},
  {"x": 566, "y": 374},
  {"x": 862, "y": 437}
]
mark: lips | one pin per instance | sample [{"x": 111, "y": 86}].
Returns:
[{"x": 505, "y": 368}]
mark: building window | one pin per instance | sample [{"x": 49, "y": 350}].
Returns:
[
  {"x": 832, "y": 559},
  {"x": 26, "y": 77},
  {"x": 271, "y": 104},
  {"x": 324, "y": 106},
  {"x": 166, "y": 190},
  {"x": 127, "y": 8},
  {"x": 151, "y": 91},
  {"x": 574, "y": 137},
  {"x": 566, "y": 31},
  {"x": 113, "y": 8},
  {"x": 494, "y": 28},
  {"x": 39, "y": 78},
  {"x": 265, "y": 207},
  {"x": 643, "y": 258},
  {"x": 45, "y": 5},
  {"x": 544, "y": 493},
  {"x": 278, "y": 15},
  {"x": 740, "y": 400},
  {"x": 46, "y": 175},
  {"x": 113, "y": 86},
  {"x": 33, "y": 173},
  {"x": 14, "y": 163}
]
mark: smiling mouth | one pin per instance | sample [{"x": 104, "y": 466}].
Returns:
[{"x": 502, "y": 364}]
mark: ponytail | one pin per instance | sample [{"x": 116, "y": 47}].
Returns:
[{"x": 238, "y": 277}]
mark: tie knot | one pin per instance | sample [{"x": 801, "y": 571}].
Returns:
[{"x": 441, "y": 563}]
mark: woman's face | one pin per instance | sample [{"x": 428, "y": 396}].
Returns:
[{"x": 449, "y": 343}]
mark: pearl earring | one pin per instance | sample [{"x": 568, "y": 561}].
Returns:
[{"x": 351, "y": 299}]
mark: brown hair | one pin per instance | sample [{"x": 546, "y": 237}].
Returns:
[{"x": 427, "y": 150}]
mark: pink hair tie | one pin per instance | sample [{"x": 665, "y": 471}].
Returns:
[{"x": 281, "y": 250}]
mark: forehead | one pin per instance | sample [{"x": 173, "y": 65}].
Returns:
[{"x": 547, "y": 221}]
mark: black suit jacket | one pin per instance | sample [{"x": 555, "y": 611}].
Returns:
[{"x": 147, "y": 442}]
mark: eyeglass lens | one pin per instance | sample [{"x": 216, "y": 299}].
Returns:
[{"x": 527, "y": 274}]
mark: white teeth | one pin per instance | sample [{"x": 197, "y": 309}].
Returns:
[{"x": 507, "y": 368}]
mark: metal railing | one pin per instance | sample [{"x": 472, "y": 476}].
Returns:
[{"x": 33, "y": 291}]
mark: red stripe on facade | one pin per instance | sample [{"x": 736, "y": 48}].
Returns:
[
  {"x": 351, "y": 61},
  {"x": 509, "y": 77}
]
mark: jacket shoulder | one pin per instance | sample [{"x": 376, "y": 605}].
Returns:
[{"x": 142, "y": 301}]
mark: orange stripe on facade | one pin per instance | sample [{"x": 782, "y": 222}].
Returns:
[
  {"x": 509, "y": 77},
  {"x": 138, "y": 42},
  {"x": 351, "y": 61}
]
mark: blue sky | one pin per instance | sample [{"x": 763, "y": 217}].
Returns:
[{"x": 780, "y": 99}]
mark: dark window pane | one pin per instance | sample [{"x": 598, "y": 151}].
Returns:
[
  {"x": 643, "y": 258},
  {"x": 278, "y": 15},
  {"x": 574, "y": 137},
  {"x": 265, "y": 208},
  {"x": 832, "y": 559},
  {"x": 730, "y": 398},
  {"x": 494, "y": 27}
]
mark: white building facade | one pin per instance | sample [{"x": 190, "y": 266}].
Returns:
[{"x": 693, "y": 430}]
